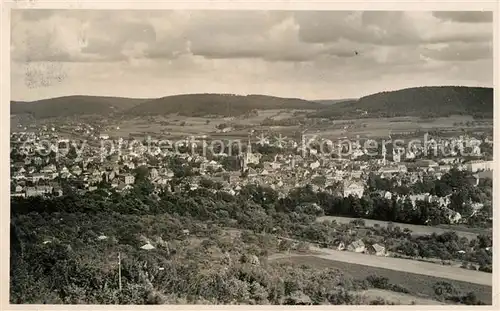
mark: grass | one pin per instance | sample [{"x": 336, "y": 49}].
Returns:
[
  {"x": 398, "y": 298},
  {"x": 419, "y": 285}
]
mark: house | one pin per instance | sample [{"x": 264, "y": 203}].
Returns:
[
  {"x": 387, "y": 195},
  {"x": 49, "y": 169},
  {"x": 76, "y": 170},
  {"x": 315, "y": 165},
  {"x": 249, "y": 158},
  {"x": 122, "y": 187},
  {"x": 37, "y": 177},
  {"x": 18, "y": 176},
  {"x": 444, "y": 168},
  {"x": 453, "y": 216},
  {"x": 390, "y": 169},
  {"x": 340, "y": 246},
  {"x": 449, "y": 160},
  {"x": 376, "y": 249},
  {"x": 419, "y": 197},
  {"x": 147, "y": 246},
  {"x": 127, "y": 178},
  {"x": 426, "y": 163},
  {"x": 129, "y": 165},
  {"x": 356, "y": 246},
  {"x": 153, "y": 174},
  {"x": 38, "y": 191},
  {"x": 57, "y": 191},
  {"x": 353, "y": 188},
  {"x": 478, "y": 165}
]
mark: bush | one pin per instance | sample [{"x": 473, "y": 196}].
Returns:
[
  {"x": 444, "y": 288},
  {"x": 467, "y": 299},
  {"x": 379, "y": 301},
  {"x": 488, "y": 268},
  {"x": 398, "y": 288},
  {"x": 378, "y": 281}
]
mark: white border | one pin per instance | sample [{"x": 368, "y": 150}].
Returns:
[{"x": 423, "y": 5}]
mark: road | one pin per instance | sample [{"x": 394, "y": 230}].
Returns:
[{"x": 398, "y": 264}]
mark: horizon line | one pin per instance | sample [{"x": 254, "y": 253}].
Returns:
[{"x": 248, "y": 94}]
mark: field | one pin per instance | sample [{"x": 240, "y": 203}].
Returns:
[
  {"x": 400, "y": 264},
  {"x": 418, "y": 284},
  {"x": 171, "y": 126},
  {"x": 174, "y": 126},
  {"x": 469, "y": 233}
]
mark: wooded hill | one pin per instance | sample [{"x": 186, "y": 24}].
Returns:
[
  {"x": 73, "y": 106},
  {"x": 217, "y": 104},
  {"x": 438, "y": 101}
]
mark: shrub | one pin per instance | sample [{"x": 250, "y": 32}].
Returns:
[{"x": 378, "y": 281}]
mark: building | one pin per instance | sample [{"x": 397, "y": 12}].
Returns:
[
  {"x": 38, "y": 191},
  {"x": 478, "y": 165},
  {"x": 453, "y": 216},
  {"x": 128, "y": 179},
  {"x": 376, "y": 249},
  {"x": 249, "y": 158},
  {"x": 356, "y": 246},
  {"x": 426, "y": 163},
  {"x": 122, "y": 187},
  {"x": 153, "y": 174},
  {"x": 353, "y": 188}
]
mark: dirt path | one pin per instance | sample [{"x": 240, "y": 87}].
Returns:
[{"x": 398, "y": 264}]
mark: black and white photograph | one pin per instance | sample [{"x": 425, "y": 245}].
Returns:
[{"x": 251, "y": 157}]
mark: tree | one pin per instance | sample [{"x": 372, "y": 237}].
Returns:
[{"x": 141, "y": 173}]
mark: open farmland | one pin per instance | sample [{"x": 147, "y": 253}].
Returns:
[
  {"x": 417, "y": 284},
  {"x": 416, "y": 229},
  {"x": 173, "y": 125},
  {"x": 382, "y": 127}
]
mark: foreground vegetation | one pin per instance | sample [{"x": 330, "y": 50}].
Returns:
[{"x": 64, "y": 250}]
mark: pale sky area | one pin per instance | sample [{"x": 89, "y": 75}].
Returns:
[{"x": 303, "y": 54}]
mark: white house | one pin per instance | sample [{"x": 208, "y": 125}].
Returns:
[{"x": 353, "y": 188}]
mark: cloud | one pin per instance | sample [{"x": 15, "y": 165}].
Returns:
[
  {"x": 461, "y": 52},
  {"x": 90, "y": 37},
  {"x": 269, "y": 35},
  {"x": 381, "y": 28},
  {"x": 251, "y": 51},
  {"x": 465, "y": 17}
]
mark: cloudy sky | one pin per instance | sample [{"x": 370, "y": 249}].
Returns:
[{"x": 312, "y": 55}]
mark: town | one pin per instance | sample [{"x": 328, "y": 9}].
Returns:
[
  {"x": 39, "y": 168},
  {"x": 251, "y": 157}
]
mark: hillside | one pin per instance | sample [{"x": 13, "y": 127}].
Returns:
[
  {"x": 333, "y": 101},
  {"x": 73, "y": 106},
  {"x": 217, "y": 104},
  {"x": 437, "y": 101}
]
